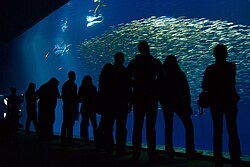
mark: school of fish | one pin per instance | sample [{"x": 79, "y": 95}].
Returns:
[{"x": 191, "y": 39}]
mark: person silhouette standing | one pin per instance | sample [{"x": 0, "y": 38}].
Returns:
[
  {"x": 175, "y": 98},
  {"x": 87, "y": 96},
  {"x": 144, "y": 72},
  {"x": 121, "y": 97},
  {"x": 70, "y": 108},
  {"x": 31, "y": 108},
  {"x": 13, "y": 107},
  {"x": 47, "y": 94},
  {"x": 219, "y": 82},
  {"x": 104, "y": 133}
]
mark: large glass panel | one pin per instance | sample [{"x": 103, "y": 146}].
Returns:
[{"x": 83, "y": 35}]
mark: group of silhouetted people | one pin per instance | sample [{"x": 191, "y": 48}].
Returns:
[
  {"x": 13, "y": 113},
  {"x": 141, "y": 85}
]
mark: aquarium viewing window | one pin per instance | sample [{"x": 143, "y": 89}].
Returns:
[{"x": 84, "y": 35}]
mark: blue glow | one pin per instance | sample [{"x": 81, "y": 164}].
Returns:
[{"x": 67, "y": 40}]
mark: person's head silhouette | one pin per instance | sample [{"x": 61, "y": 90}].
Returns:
[
  {"x": 119, "y": 58},
  {"x": 32, "y": 86},
  {"x": 143, "y": 48},
  {"x": 72, "y": 75},
  {"x": 87, "y": 80},
  {"x": 54, "y": 82},
  {"x": 171, "y": 63},
  {"x": 220, "y": 53}
]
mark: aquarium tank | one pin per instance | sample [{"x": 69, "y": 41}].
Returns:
[{"x": 83, "y": 35}]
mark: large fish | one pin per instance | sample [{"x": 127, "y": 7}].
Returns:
[
  {"x": 61, "y": 49},
  {"x": 93, "y": 23}
]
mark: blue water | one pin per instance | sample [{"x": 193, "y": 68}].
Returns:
[{"x": 186, "y": 28}]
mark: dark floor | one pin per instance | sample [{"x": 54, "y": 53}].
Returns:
[{"x": 27, "y": 151}]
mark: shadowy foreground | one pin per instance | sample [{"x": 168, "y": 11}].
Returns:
[{"x": 21, "y": 150}]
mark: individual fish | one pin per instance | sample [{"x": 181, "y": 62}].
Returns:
[
  {"x": 94, "y": 23},
  {"x": 64, "y": 25},
  {"x": 47, "y": 54},
  {"x": 93, "y": 18},
  {"x": 60, "y": 68},
  {"x": 61, "y": 49}
]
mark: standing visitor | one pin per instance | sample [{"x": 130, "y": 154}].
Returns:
[
  {"x": 144, "y": 72},
  {"x": 31, "y": 108},
  {"x": 70, "y": 108},
  {"x": 219, "y": 82}
]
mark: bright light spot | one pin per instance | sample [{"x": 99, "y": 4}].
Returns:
[
  {"x": 5, "y": 101},
  {"x": 4, "y": 115},
  {"x": 92, "y": 18}
]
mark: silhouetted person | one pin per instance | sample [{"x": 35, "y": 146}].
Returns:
[
  {"x": 47, "y": 94},
  {"x": 219, "y": 82},
  {"x": 114, "y": 84},
  {"x": 13, "y": 107},
  {"x": 87, "y": 96},
  {"x": 121, "y": 98},
  {"x": 175, "y": 98},
  {"x": 70, "y": 107},
  {"x": 31, "y": 108},
  {"x": 144, "y": 71},
  {"x": 105, "y": 130}
]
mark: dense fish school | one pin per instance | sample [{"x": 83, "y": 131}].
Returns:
[{"x": 191, "y": 40}]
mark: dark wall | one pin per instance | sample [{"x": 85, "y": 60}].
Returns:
[{"x": 16, "y": 16}]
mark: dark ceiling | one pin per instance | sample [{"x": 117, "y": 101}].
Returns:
[{"x": 17, "y": 16}]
